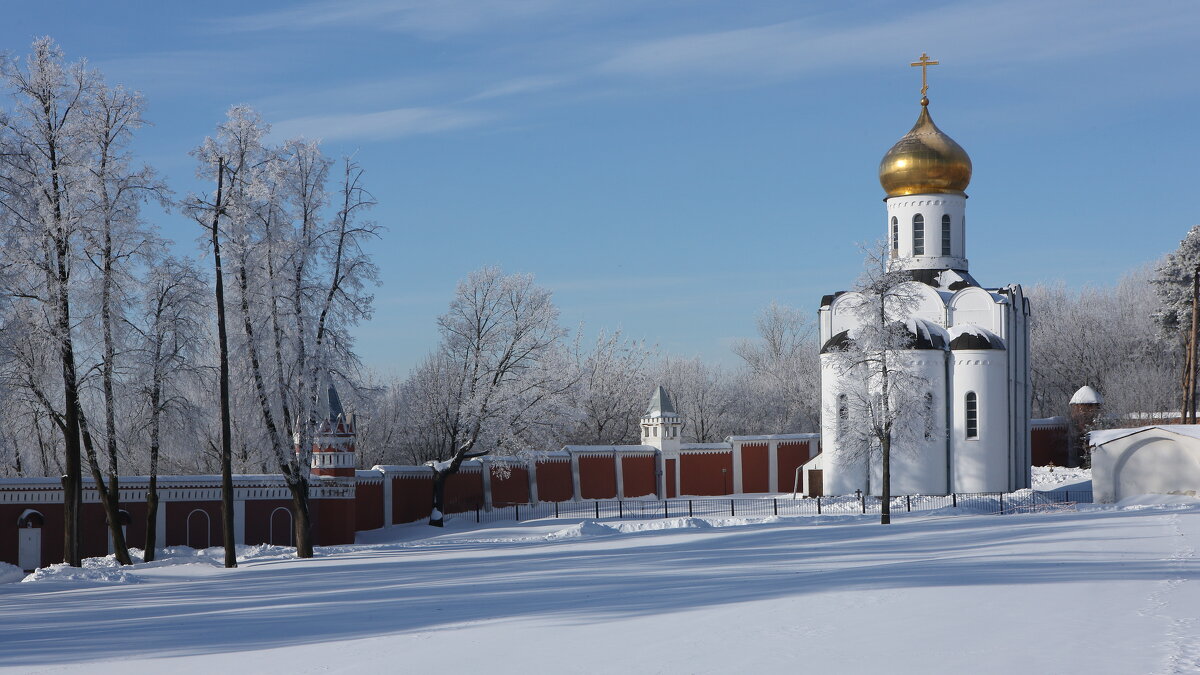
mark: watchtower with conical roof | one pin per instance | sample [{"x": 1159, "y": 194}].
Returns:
[
  {"x": 333, "y": 451},
  {"x": 662, "y": 427}
]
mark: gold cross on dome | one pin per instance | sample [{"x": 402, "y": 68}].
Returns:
[{"x": 924, "y": 62}]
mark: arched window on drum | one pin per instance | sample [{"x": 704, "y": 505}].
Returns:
[{"x": 972, "y": 413}]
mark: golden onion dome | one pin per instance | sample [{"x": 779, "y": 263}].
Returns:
[{"x": 925, "y": 161}]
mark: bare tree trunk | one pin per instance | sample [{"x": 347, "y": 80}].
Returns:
[
  {"x": 223, "y": 342},
  {"x": 885, "y": 446},
  {"x": 293, "y": 471},
  {"x": 155, "y": 431},
  {"x": 73, "y": 480},
  {"x": 303, "y": 523},
  {"x": 107, "y": 500},
  {"x": 1190, "y": 401},
  {"x": 437, "y": 517}
]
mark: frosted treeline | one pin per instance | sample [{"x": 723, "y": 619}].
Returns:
[{"x": 106, "y": 336}]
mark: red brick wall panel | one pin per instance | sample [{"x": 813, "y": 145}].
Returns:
[
  {"x": 1049, "y": 445},
  {"x": 332, "y": 521},
  {"x": 637, "y": 473},
  {"x": 412, "y": 498},
  {"x": 701, "y": 473},
  {"x": 368, "y": 507},
  {"x": 756, "y": 473},
  {"x": 790, "y": 456},
  {"x": 511, "y": 490},
  {"x": 464, "y": 492},
  {"x": 597, "y": 477},
  {"x": 554, "y": 481},
  {"x": 670, "y": 469},
  {"x": 259, "y": 516},
  {"x": 178, "y": 515}
]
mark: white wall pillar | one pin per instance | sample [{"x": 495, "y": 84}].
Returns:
[
  {"x": 532, "y": 469},
  {"x": 575, "y": 477},
  {"x": 660, "y": 475},
  {"x": 772, "y": 466},
  {"x": 160, "y": 522},
  {"x": 486, "y": 468},
  {"x": 738, "y": 488},
  {"x": 239, "y": 521},
  {"x": 620, "y": 475},
  {"x": 387, "y": 499}
]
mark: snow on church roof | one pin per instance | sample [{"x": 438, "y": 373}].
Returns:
[
  {"x": 971, "y": 336},
  {"x": 929, "y": 335},
  {"x": 1086, "y": 396}
]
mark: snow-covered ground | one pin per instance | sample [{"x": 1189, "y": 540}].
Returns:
[
  {"x": 1087, "y": 589},
  {"x": 1061, "y": 478}
]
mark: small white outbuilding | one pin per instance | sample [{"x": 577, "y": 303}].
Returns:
[{"x": 1161, "y": 459}]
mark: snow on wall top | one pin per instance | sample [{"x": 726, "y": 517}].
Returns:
[
  {"x": 777, "y": 437},
  {"x": 1106, "y": 435},
  {"x": 705, "y": 446},
  {"x": 609, "y": 448},
  {"x": 1086, "y": 396},
  {"x": 1058, "y": 421}
]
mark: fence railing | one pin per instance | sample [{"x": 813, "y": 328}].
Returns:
[{"x": 976, "y": 503}]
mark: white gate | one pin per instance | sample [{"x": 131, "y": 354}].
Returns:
[{"x": 29, "y": 552}]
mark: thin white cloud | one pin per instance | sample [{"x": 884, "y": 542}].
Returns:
[
  {"x": 1006, "y": 33},
  {"x": 521, "y": 85},
  {"x": 382, "y": 125},
  {"x": 430, "y": 17}
]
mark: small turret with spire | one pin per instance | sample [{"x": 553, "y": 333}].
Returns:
[
  {"x": 662, "y": 427},
  {"x": 334, "y": 440}
]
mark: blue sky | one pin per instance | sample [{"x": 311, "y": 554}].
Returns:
[{"x": 671, "y": 167}]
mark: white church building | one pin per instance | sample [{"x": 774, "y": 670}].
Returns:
[{"x": 970, "y": 343}]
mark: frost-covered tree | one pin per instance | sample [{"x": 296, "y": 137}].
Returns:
[
  {"x": 499, "y": 378},
  {"x": 1098, "y": 336},
  {"x": 705, "y": 396},
  {"x": 1178, "y": 284},
  {"x": 46, "y": 179},
  {"x": 880, "y": 400},
  {"x": 614, "y": 377},
  {"x": 785, "y": 369},
  {"x": 169, "y": 339},
  {"x": 300, "y": 274}
]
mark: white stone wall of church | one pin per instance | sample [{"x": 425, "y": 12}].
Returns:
[
  {"x": 980, "y": 464},
  {"x": 932, "y": 208},
  {"x": 976, "y": 306},
  {"x": 842, "y": 474},
  {"x": 919, "y": 464},
  {"x": 841, "y": 316}
]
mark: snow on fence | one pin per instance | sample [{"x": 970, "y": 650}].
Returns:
[{"x": 998, "y": 503}]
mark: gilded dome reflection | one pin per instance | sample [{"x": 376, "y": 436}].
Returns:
[{"x": 925, "y": 161}]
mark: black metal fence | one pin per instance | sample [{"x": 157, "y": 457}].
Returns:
[{"x": 634, "y": 509}]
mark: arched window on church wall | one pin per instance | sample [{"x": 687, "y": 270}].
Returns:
[
  {"x": 895, "y": 236},
  {"x": 946, "y": 234},
  {"x": 972, "y": 410},
  {"x": 843, "y": 416},
  {"x": 928, "y": 415},
  {"x": 918, "y": 234}
]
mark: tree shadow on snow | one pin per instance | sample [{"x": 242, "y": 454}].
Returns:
[{"x": 405, "y": 589}]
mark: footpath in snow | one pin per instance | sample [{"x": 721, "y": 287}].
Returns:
[{"x": 1096, "y": 589}]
